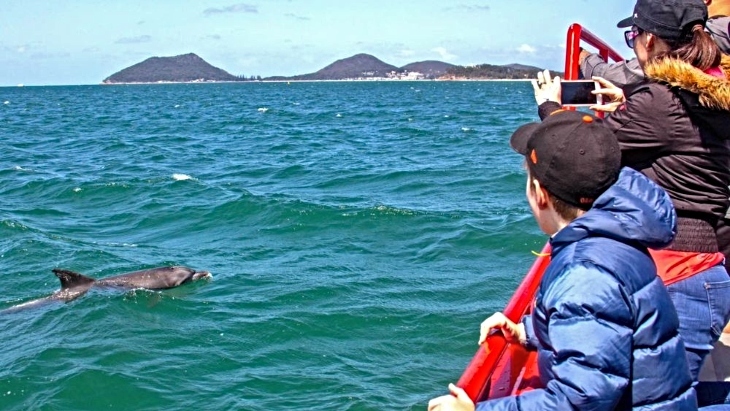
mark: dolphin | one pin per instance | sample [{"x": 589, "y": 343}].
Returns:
[{"x": 74, "y": 285}]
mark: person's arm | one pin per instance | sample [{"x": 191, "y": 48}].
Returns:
[
  {"x": 719, "y": 29},
  {"x": 625, "y": 74},
  {"x": 592, "y": 349},
  {"x": 643, "y": 124},
  {"x": 547, "y": 108}
]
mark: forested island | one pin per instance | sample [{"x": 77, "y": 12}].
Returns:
[
  {"x": 190, "y": 67},
  {"x": 179, "y": 69},
  {"x": 492, "y": 72}
]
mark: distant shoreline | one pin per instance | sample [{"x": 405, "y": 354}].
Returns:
[
  {"x": 379, "y": 80},
  {"x": 261, "y": 81},
  {"x": 191, "y": 68}
]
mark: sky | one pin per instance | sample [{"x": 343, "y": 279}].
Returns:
[{"x": 66, "y": 42}]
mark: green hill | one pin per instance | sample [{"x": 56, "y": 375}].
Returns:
[
  {"x": 357, "y": 66},
  {"x": 183, "y": 68},
  {"x": 489, "y": 71},
  {"x": 430, "y": 68}
]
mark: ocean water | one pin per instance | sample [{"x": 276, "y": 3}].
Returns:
[{"x": 357, "y": 233}]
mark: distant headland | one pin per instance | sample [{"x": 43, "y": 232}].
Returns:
[{"x": 190, "y": 68}]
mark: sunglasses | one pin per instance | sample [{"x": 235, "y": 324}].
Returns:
[{"x": 631, "y": 35}]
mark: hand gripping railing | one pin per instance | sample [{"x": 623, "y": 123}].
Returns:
[{"x": 485, "y": 365}]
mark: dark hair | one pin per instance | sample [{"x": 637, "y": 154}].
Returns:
[
  {"x": 699, "y": 49},
  {"x": 566, "y": 211}
]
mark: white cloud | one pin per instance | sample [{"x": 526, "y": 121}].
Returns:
[
  {"x": 297, "y": 17},
  {"x": 526, "y": 48},
  {"x": 468, "y": 7},
  {"x": 46, "y": 56},
  {"x": 134, "y": 40},
  {"x": 406, "y": 53},
  {"x": 236, "y": 8},
  {"x": 444, "y": 54}
]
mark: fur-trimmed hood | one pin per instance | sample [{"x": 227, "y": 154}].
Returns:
[
  {"x": 713, "y": 92},
  {"x": 705, "y": 97}
]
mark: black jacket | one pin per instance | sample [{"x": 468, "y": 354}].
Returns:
[{"x": 675, "y": 128}]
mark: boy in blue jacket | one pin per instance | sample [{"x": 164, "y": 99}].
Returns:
[{"x": 603, "y": 324}]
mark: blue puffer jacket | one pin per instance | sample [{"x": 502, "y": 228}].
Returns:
[{"x": 603, "y": 323}]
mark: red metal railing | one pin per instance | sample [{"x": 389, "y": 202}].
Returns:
[
  {"x": 500, "y": 369},
  {"x": 576, "y": 34}
]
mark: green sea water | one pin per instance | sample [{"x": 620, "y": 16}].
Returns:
[{"x": 357, "y": 233}]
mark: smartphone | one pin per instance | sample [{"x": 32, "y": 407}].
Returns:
[{"x": 577, "y": 93}]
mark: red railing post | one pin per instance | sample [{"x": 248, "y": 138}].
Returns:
[{"x": 576, "y": 34}]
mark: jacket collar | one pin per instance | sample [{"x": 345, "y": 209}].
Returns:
[
  {"x": 634, "y": 210},
  {"x": 713, "y": 92}
]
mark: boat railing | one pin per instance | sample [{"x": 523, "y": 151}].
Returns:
[
  {"x": 499, "y": 368},
  {"x": 576, "y": 34}
]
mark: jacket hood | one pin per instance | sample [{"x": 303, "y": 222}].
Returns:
[
  {"x": 632, "y": 210},
  {"x": 705, "y": 97},
  {"x": 713, "y": 92}
]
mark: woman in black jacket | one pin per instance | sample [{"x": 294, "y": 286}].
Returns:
[{"x": 675, "y": 128}]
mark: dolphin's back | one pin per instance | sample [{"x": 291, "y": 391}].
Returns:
[{"x": 152, "y": 279}]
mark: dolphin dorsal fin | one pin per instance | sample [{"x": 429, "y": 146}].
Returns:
[{"x": 70, "y": 279}]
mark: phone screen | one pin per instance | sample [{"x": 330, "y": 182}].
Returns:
[{"x": 574, "y": 93}]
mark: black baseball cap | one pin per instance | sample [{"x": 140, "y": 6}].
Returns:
[
  {"x": 573, "y": 155},
  {"x": 669, "y": 19}
]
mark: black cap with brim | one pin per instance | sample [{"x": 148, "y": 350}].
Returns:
[
  {"x": 573, "y": 155},
  {"x": 627, "y": 22},
  {"x": 522, "y": 136},
  {"x": 669, "y": 19}
]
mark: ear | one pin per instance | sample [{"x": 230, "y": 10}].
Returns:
[
  {"x": 541, "y": 196},
  {"x": 650, "y": 41},
  {"x": 708, "y": 2}
]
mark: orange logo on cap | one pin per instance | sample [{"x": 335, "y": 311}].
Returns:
[
  {"x": 533, "y": 156},
  {"x": 587, "y": 119}
]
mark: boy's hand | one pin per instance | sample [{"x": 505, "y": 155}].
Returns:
[
  {"x": 514, "y": 333},
  {"x": 456, "y": 401}
]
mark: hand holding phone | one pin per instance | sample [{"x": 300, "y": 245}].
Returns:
[
  {"x": 613, "y": 96},
  {"x": 546, "y": 88}
]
